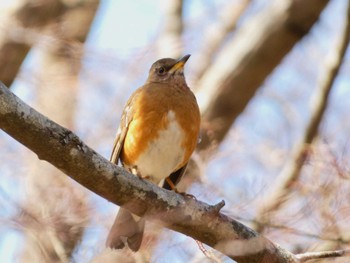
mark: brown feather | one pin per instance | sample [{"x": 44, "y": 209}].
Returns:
[{"x": 126, "y": 118}]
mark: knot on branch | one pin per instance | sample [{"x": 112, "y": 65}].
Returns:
[{"x": 215, "y": 209}]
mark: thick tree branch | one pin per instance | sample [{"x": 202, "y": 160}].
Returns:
[
  {"x": 67, "y": 152},
  {"x": 201, "y": 221}
]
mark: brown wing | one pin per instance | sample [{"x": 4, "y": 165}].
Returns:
[{"x": 126, "y": 118}]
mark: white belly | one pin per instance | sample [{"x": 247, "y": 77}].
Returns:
[{"x": 164, "y": 154}]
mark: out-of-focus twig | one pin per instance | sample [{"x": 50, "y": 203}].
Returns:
[
  {"x": 216, "y": 34},
  {"x": 61, "y": 207},
  {"x": 324, "y": 254},
  {"x": 209, "y": 254},
  {"x": 170, "y": 42}
]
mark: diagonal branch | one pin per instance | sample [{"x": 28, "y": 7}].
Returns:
[
  {"x": 325, "y": 254},
  {"x": 203, "y": 222},
  {"x": 67, "y": 152}
]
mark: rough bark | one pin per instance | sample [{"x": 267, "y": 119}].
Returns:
[
  {"x": 203, "y": 222},
  {"x": 67, "y": 152}
]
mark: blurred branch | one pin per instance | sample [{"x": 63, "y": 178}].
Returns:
[
  {"x": 295, "y": 231},
  {"x": 67, "y": 152},
  {"x": 325, "y": 254},
  {"x": 292, "y": 169},
  {"x": 216, "y": 34},
  {"x": 30, "y": 14},
  {"x": 170, "y": 42},
  {"x": 245, "y": 62},
  {"x": 61, "y": 226}
]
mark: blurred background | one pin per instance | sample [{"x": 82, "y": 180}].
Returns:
[{"x": 273, "y": 84}]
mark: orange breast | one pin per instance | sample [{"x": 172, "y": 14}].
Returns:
[{"x": 151, "y": 108}]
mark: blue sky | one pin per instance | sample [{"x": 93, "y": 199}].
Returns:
[{"x": 123, "y": 26}]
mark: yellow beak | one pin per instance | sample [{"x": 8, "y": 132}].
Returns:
[{"x": 179, "y": 64}]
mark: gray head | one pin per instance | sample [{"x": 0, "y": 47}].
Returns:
[{"x": 168, "y": 69}]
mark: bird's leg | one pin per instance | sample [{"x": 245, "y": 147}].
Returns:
[
  {"x": 134, "y": 171},
  {"x": 173, "y": 187},
  {"x": 171, "y": 184}
]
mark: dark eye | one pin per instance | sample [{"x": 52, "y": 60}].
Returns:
[{"x": 161, "y": 71}]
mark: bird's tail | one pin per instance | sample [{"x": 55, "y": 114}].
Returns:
[{"x": 128, "y": 226}]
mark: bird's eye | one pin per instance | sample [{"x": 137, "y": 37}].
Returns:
[{"x": 161, "y": 71}]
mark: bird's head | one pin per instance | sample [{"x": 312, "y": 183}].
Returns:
[{"x": 168, "y": 69}]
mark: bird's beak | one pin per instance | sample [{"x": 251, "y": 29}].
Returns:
[{"x": 179, "y": 64}]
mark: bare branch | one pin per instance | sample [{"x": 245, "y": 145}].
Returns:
[
  {"x": 67, "y": 152},
  {"x": 208, "y": 254},
  {"x": 170, "y": 42},
  {"x": 291, "y": 171},
  {"x": 216, "y": 34},
  {"x": 325, "y": 254}
]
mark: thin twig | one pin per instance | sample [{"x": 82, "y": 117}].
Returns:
[
  {"x": 215, "y": 35},
  {"x": 324, "y": 254},
  {"x": 339, "y": 240},
  {"x": 208, "y": 254}
]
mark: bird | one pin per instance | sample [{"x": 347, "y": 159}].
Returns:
[{"x": 157, "y": 134}]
